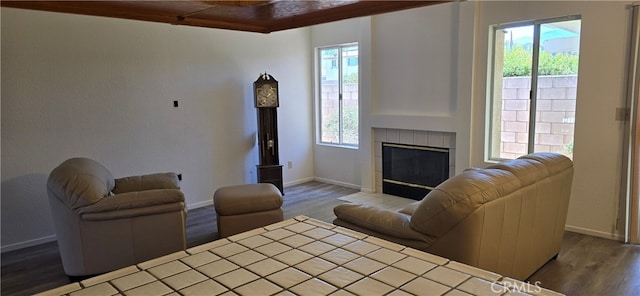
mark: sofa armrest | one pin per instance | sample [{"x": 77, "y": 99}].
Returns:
[
  {"x": 136, "y": 203},
  {"x": 146, "y": 182},
  {"x": 384, "y": 221}
]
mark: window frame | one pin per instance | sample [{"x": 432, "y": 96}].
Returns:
[
  {"x": 341, "y": 107},
  {"x": 490, "y": 132}
]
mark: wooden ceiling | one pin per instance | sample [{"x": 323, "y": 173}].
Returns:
[{"x": 245, "y": 15}]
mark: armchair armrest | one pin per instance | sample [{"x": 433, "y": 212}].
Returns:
[
  {"x": 131, "y": 204},
  {"x": 384, "y": 221},
  {"x": 146, "y": 182}
]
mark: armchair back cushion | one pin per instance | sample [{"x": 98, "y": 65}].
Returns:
[
  {"x": 80, "y": 182},
  {"x": 146, "y": 182}
]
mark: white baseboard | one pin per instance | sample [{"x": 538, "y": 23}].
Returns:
[
  {"x": 199, "y": 204},
  {"x": 334, "y": 182},
  {"x": 596, "y": 233},
  {"x": 26, "y": 244},
  {"x": 50, "y": 238},
  {"x": 367, "y": 190},
  {"x": 305, "y": 180},
  {"x": 210, "y": 202}
]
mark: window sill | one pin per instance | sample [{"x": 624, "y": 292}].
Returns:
[{"x": 337, "y": 146}]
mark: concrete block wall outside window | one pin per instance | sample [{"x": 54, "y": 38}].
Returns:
[{"x": 555, "y": 115}]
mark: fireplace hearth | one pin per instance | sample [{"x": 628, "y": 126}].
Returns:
[{"x": 412, "y": 171}]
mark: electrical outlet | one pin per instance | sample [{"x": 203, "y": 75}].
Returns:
[
  {"x": 179, "y": 177},
  {"x": 290, "y": 164},
  {"x": 175, "y": 104}
]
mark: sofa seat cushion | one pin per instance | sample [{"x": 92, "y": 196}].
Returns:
[
  {"x": 452, "y": 201},
  {"x": 410, "y": 209},
  {"x": 380, "y": 220}
]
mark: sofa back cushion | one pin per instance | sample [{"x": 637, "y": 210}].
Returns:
[
  {"x": 555, "y": 163},
  {"x": 528, "y": 171},
  {"x": 79, "y": 182},
  {"x": 454, "y": 199}
]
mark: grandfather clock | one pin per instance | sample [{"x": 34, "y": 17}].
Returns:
[{"x": 266, "y": 103}]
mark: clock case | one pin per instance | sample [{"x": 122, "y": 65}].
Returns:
[{"x": 269, "y": 168}]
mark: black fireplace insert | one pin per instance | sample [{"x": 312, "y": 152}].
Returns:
[{"x": 412, "y": 171}]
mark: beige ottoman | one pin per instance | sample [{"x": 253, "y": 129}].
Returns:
[{"x": 244, "y": 207}]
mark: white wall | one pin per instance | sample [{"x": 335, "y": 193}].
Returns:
[
  {"x": 594, "y": 203},
  {"x": 104, "y": 88}
]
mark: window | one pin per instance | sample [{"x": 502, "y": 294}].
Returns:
[
  {"x": 338, "y": 97},
  {"x": 532, "y": 88}
]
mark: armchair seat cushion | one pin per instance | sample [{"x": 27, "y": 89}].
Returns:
[{"x": 135, "y": 200}]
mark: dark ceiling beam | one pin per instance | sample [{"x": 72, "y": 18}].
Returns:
[
  {"x": 263, "y": 16},
  {"x": 354, "y": 10}
]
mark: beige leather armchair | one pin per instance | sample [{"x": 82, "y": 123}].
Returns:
[
  {"x": 103, "y": 223},
  {"x": 508, "y": 218}
]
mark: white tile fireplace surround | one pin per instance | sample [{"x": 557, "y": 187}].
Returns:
[{"x": 411, "y": 137}]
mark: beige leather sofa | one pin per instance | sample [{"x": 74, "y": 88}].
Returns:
[
  {"x": 508, "y": 218},
  {"x": 103, "y": 223}
]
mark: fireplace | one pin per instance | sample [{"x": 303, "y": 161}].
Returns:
[{"x": 412, "y": 171}]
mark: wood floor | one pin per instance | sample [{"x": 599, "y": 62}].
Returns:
[{"x": 586, "y": 265}]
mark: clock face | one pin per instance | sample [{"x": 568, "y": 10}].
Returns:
[{"x": 267, "y": 96}]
